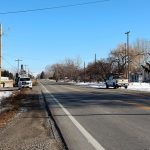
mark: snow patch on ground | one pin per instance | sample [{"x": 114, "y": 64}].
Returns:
[
  {"x": 139, "y": 86},
  {"x": 132, "y": 86},
  {"x": 4, "y": 94},
  {"x": 92, "y": 84}
]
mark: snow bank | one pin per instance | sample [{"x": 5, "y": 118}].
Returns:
[
  {"x": 92, "y": 84},
  {"x": 139, "y": 86},
  {"x": 4, "y": 94},
  {"x": 132, "y": 86}
]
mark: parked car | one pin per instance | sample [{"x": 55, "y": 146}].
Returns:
[{"x": 116, "y": 81}]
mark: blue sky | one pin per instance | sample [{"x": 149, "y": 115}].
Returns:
[{"x": 46, "y": 37}]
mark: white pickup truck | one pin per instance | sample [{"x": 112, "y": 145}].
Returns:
[{"x": 116, "y": 81}]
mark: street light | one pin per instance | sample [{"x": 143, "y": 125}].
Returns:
[{"x": 127, "y": 33}]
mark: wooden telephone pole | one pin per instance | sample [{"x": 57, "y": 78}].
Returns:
[
  {"x": 0, "y": 52},
  {"x": 128, "y": 53},
  {"x": 18, "y": 60}
]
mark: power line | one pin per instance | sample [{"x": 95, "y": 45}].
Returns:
[{"x": 54, "y": 7}]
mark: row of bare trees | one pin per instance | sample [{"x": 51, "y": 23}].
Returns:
[
  {"x": 69, "y": 69},
  {"x": 117, "y": 62}
]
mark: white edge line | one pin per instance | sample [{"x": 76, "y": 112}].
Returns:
[{"x": 86, "y": 134}]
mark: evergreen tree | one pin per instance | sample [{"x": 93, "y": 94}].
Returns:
[
  {"x": 8, "y": 74},
  {"x": 42, "y": 75}
]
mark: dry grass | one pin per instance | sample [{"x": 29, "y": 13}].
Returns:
[
  {"x": 5, "y": 117},
  {"x": 34, "y": 82},
  {"x": 13, "y": 103}
]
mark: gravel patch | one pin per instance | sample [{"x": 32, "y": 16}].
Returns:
[{"x": 28, "y": 126}]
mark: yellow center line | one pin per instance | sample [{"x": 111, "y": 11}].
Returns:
[
  {"x": 141, "y": 106},
  {"x": 145, "y": 107}
]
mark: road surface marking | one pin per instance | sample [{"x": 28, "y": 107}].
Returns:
[
  {"x": 136, "y": 104},
  {"x": 86, "y": 134},
  {"x": 144, "y": 107}
]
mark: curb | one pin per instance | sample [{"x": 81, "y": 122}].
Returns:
[{"x": 55, "y": 129}]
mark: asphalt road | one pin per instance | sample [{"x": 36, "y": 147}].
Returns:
[{"x": 102, "y": 119}]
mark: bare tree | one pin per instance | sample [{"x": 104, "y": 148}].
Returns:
[
  {"x": 104, "y": 66},
  {"x": 118, "y": 59},
  {"x": 142, "y": 46},
  {"x": 97, "y": 72},
  {"x": 72, "y": 67},
  {"x": 90, "y": 72},
  {"x": 67, "y": 69}
]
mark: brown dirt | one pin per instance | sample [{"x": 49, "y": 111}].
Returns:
[{"x": 5, "y": 117}]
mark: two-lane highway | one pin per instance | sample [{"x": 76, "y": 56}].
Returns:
[{"x": 102, "y": 119}]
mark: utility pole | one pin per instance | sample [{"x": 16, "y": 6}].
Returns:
[
  {"x": 95, "y": 68},
  {"x": 95, "y": 58},
  {"x": 18, "y": 60},
  {"x": 125, "y": 48},
  {"x": 0, "y": 52},
  {"x": 127, "y": 33},
  {"x": 84, "y": 72}
]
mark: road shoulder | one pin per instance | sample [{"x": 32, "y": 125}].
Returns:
[{"x": 30, "y": 128}]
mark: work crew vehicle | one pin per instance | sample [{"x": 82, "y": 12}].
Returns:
[
  {"x": 116, "y": 81},
  {"x": 24, "y": 82}
]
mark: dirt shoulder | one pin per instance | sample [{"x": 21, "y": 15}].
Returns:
[{"x": 26, "y": 126}]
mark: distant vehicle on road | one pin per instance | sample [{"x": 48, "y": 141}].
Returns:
[
  {"x": 24, "y": 82},
  {"x": 116, "y": 81}
]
